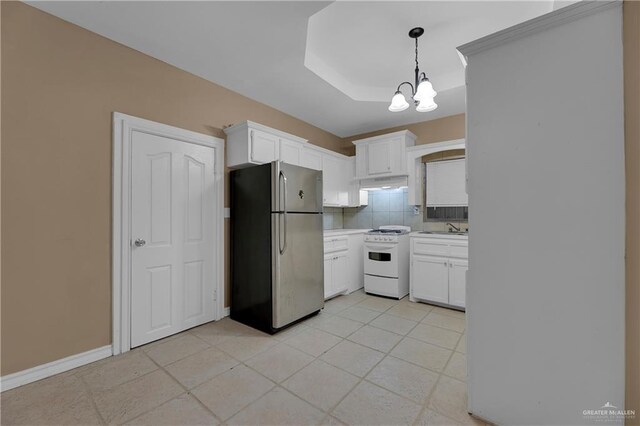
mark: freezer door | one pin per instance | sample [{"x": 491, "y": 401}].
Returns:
[
  {"x": 298, "y": 267},
  {"x": 295, "y": 188}
]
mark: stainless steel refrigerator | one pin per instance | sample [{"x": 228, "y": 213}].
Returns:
[{"x": 277, "y": 270}]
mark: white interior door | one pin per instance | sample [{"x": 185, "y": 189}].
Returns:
[{"x": 172, "y": 236}]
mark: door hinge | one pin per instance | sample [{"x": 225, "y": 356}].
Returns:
[{"x": 215, "y": 295}]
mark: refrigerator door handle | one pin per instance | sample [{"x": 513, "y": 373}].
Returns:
[{"x": 284, "y": 213}]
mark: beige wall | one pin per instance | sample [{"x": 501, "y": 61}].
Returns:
[
  {"x": 441, "y": 129},
  {"x": 60, "y": 85},
  {"x": 631, "y": 38}
]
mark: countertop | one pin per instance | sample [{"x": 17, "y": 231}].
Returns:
[
  {"x": 447, "y": 236},
  {"x": 337, "y": 232}
]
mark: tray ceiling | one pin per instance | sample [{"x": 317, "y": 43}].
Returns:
[{"x": 332, "y": 64}]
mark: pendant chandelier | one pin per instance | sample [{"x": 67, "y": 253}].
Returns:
[{"x": 422, "y": 92}]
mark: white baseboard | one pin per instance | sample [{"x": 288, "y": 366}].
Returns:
[{"x": 43, "y": 371}]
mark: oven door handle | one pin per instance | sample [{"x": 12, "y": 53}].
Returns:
[{"x": 377, "y": 248}]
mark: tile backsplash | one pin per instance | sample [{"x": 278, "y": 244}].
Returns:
[
  {"x": 332, "y": 218},
  {"x": 386, "y": 207}
]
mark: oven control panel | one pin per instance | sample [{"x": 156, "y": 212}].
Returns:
[{"x": 373, "y": 238}]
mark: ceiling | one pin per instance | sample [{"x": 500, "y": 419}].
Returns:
[{"x": 332, "y": 64}]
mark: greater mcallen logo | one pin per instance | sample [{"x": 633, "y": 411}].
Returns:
[{"x": 608, "y": 413}]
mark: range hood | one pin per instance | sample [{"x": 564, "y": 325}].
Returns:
[{"x": 390, "y": 182}]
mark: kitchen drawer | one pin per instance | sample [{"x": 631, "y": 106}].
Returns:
[
  {"x": 459, "y": 250},
  {"x": 430, "y": 247},
  {"x": 332, "y": 244}
]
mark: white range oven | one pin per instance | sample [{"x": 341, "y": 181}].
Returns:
[{"x": 386, "y": 261}]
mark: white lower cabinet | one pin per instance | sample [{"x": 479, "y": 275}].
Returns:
[
  {"x": 356, "y": 263},
  {"x": 335, "y": 273},
  {"x": 343, "y": 264},
  {"x": 328, "y": 282},
  {"x": 458, "y": 282},
  {"x": 430, "y": 278},
  {"x": 439, "y": 270}
]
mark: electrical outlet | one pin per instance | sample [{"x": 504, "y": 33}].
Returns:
[{"x": 416, "y": 210}]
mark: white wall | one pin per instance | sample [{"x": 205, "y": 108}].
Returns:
[{"x": 546, "y": 215}]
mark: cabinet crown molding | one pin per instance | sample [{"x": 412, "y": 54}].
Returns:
[
  {"x": 410, "y": 138},
  {"x": 245, "y": 125}
]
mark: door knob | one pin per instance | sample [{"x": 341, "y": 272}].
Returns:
[{"x": 140, "y": 242}]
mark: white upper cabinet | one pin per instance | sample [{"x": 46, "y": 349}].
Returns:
[
  {"x": 356, "y": 196},
  {"x": 446, "y": 184},
  {"x": 335, "y": 184},
  {"x": 384, "y": 155},
  {"x": 263, "y": 147},
  {"x": 250, "y": 143},
  {"x": 311, "y": 158},
  {"x": 291, "y": 151},
  {"x": 379, "y": 157}
]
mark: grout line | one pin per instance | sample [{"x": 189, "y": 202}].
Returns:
[
  {"x": 425, "y": 405},
  {"x": 368, "y": 372},
  {"x": 92, "y": 394},
  {"x": 89, "y": 393},
  {"x": 188, "y": 391},
  {"x": 435, "y": 386},
  {"x": 360, "y": 379},
  {"x": 329, "y": 412},
  {"x": 438, "y": 345}
]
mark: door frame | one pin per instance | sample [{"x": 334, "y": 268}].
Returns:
[{"x": 123, "y": 128}]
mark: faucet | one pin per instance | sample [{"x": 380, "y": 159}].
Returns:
[{"x": 452, "y": 227}]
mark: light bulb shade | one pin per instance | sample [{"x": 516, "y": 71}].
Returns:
[
  {"x": 426, "y": 105},
  {"x": 398, "y": 102},
  {"x": 425, "y": 90}
]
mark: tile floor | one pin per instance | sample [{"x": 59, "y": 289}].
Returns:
[{"x": 363, "y": 360}]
